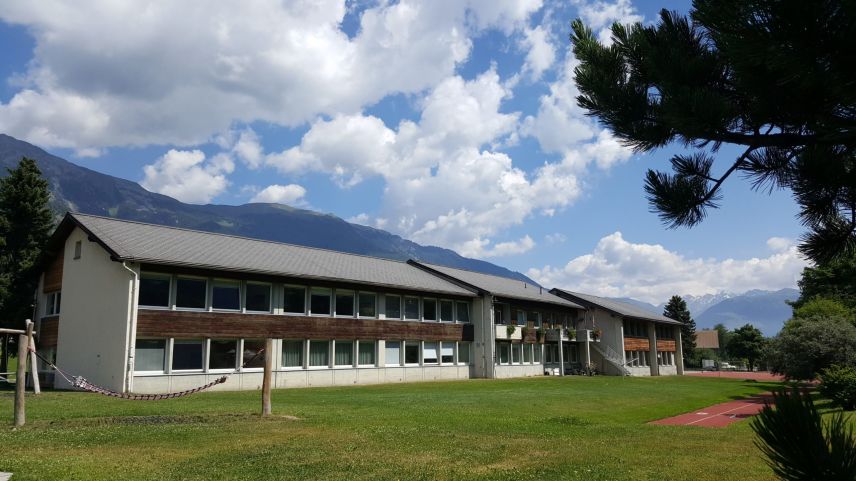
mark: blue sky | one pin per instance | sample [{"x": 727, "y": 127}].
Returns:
[{"x": 449, "y": 123}]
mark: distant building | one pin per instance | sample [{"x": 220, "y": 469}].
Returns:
[
  {"x": 144, "y": 308},
  {"x": 707, "y": 339}
]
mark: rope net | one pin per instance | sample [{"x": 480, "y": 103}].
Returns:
[{"x": 81, "y": 382}]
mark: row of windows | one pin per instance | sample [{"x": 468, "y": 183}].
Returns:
[
  {"x": 215, "y": 355},
  {"x": 156, "y": 290},
  {"x": 636, "y": 358},
  {"x": 665, "y": 358},
  {"x": 522, "y": 317},
  {"x": 635, "y": 328},
  {"x": 664, "y": 332},
  {"x": 551, "y": 353}
]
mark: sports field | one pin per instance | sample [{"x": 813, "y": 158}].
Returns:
[{"x": 587, "y": 428}]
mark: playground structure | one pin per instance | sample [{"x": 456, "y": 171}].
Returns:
[{"x": 27, "y": 353}]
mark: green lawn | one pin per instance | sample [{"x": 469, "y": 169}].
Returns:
[{"x": 539, "y": 428}]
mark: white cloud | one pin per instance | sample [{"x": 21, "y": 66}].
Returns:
[
  {"x": 541, "y": 53},
  {"x": 652, "y": 273},
  {"x": 159, "y": 72},
  {"x": 600, "y": 15},
  {"x": 248, "y": 149},
  {"x": 481, "y": 248},
  {"x": 184, "y": 175},
  {"x": 445, "y": 182},
  {"x": 556, "y": 238},
  {"x": 291, "y": 194}
]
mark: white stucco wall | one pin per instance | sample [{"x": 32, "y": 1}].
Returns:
[{"x": 96, "y": 303}]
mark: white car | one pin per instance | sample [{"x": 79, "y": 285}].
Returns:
[{"x": 724, "y": 366}]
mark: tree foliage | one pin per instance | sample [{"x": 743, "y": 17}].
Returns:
[
  {"x": 677, "y": 309},
  {"x": 799, "y": 446},
  {"x": 831, "y": 280},
  {"x": 747, "y": 342},
  {"x": 774, "y": 78},
  {"x": 28, "y": 219},
  {"x": 806, "y": 346}
]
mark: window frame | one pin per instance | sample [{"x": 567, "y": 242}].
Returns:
[
  {"x": 404, "y": 309},
  {"x": 453, "y": 312},
  {"x": 467, "y": 306},
  {"x": 305, "y": 304},
  {"x": 209, "y": 343},
  {"x": 358, "y": 350},
  {"x": 468, "y": 346},
  {"x": 302, "y": 348},
  {"x": 424, "y": 361},
  {"x": 344, "y": 292},
  {"x": 246, "y": 291},
  {"x": 166, "y": 357},
  {"x": 203, "y": 353},
  {"x": 207, "y": 301},
  {"x": 309, "y": 365},
  {"x": 400, "y": 306},
  {"x": 359, "y": 296},
  {"x": 329, "y": 300},
  {"x": 400, "y": 361},
  {"x": 214, "y": 282},
  {"x": 170, "y": 297},
  {"x": 424, "y": 302}
]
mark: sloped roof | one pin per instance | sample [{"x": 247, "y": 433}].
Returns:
[
  {"x": 500, "y": 286},
  {"x": 617, "y": 307},
  {"x": 707, "y": 339},
  {"x": 155, "y": 244}
]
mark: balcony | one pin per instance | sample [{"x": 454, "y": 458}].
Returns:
[{"x": 502, "y": 333}]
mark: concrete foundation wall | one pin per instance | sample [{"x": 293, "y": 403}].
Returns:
[{"x": 526, "y": 370}]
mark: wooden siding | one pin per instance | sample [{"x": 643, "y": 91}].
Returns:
[
  {"x": 53, "y": 275},
  {"x": 48, "y": 332},
  {"x": 637, "y": 344},
  {"x": 184, "y": 324},
  {"x": 666, "y": 345}
]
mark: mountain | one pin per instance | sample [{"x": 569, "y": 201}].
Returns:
[
  {"x": 699, "y": 304},
  {"x": 78, "y": 189},
  {"x": 766, "y": 310}
]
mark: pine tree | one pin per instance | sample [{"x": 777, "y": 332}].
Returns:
[
  {"x": 677, "y": 309},
  {"x": 770, "y": 77},
  {"x": 28, "y": 219}
]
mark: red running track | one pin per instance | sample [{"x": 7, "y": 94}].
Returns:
[
  {"x": 757, "y": 375},
  {"x": 718, "y": 415}
]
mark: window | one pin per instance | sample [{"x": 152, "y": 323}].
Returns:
[
  {"x": 150, "y": 355},
  {"x": 463, "y": 311},
  {"x": 665, "y": 332},
  {"x": 292, "y": 353},
  {"x": 447, "y": 352},
  {"x": 429, "y": 309},
  {"x": 521, "y": 317},
  {"x": 393, "y": 307},
  {"x": 154, "y": 290},
  {"x": 345, "y": 352},
  {"x": 226, "y": 295},
  {"x": 366, "y": 353},
  {"x": 411, "y": 352},
  {"x": 319, "y": 301},
  {"x": 191, "y": 293},
  {"x": 515, "y": 353},
  {"x": 186, "y": 355},
  {"x": 536, "y": 350},
  {"x": 344, "y": 303},
  {"x": 252, "y": 358},
  {"x": 527, "y": 354},
  {"x": 78, "y": 247},
  {"x": 393, "y": 353},
  {"x": 504, "y": 352},
  {"x": 294, "y": 300},
  {"x": 367, "y": 304},
  {"x": 498, "y": 318},
  {"x": 463, "y": 353},
  {"x": 319, "y": 353},
  {"x": 222, "y": 354},
  {"x": 447, "y": 313},
  {"x": 429, "y": 353},
  {"x": 535, "y": 319},
  {"x": 258, "y": 297},
  {"x": 411, "y": 308},
  {"x": 52, "y": 303}
]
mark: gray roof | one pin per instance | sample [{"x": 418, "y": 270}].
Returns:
[
  {"x": 155, "y": 244},
  {"x": 502, "y": 286},
  {"x": 620, "y": 308}
]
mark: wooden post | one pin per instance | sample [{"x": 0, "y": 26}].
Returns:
[
  {"x": 21, "y": 376},
  {"x": 34, "y": 365},
  {"x": 266, "y": 382}
]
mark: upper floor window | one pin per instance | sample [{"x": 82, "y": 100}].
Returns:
[
  {"x": 191, "y": 293},
  {"x": 294, "y": 299},
  {"x": 447, "y": 311},
  {"x": 367, "y": 304},
  {"x": 52, "y": 303},
  {"x": 226, "y": 295},
  {"x": 258, "y": 297},
  {"x": 411, "y": 308},
  {"x": 521, "y": 317},
  {"x": 319, "y": 301},
  {"x": 393, "y": 307},
  {"x": 154, "y": 289},
  {"x": 344, "y": 303},
  {"x": 463, "y": 311},
  {"x": 429, "y": 309}
]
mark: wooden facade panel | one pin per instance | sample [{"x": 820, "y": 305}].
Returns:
[
  {"x": 636, "y": 344},
  {"x": 48, "y": 332},
  {"x": 53, "y": 275},
  {"x": 162, "y": 323},
  {"x": 666, "y": 345}
]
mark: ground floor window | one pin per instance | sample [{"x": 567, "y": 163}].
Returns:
[
  {"x": 222, "y": 354},
  {"x": 551, "y": 353},
  {"x": 636, "y": 358},
  {"x": 150, "y": 355},
  {"x": 464, "y": 352},
  {"x": 187, "y": 355},
  {"x": 366, "y": 353},
  {"x": 411, "y": 352},
  {"x": 319, "y": 353},
  {"x": 429, "y": 353},
  {"x": 536, "y": 351},
  {"x": 344, "y": 353},
  {"x": 393, "y": 353},
  {"x": 515, "y": 353},
  {"x": 253, "y": 357},
  {"x": 292, "y": 353},
  {"x": 666, "y": 358},
  {"x": 447, "y": 352},
  {"x": 503, "y": 350}
]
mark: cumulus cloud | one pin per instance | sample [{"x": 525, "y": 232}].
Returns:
[
  {"x": 540, "y": 52},
  {"x": 600, "y": 15},
  {"x": 652, "y": 273},
  {"x": 291, "y": 194},
  {"x": 481, "y": 248},
  {"x": 186, "y": 176},
  {"x": 446, "y": 183},
  {"x": 177, "y": 73}
]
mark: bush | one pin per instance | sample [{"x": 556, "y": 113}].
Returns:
[
  {"x": 807, "y": 346},
  {"x": 838, "y": 383}
]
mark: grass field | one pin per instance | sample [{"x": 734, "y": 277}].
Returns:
[{"x": 539, "y": 428}]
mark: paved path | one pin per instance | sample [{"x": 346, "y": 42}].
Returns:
[
  {"x": 718, "y": 415},
  {"x": 757, "y": 375},
  {"x": 5, "y": 476}
]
